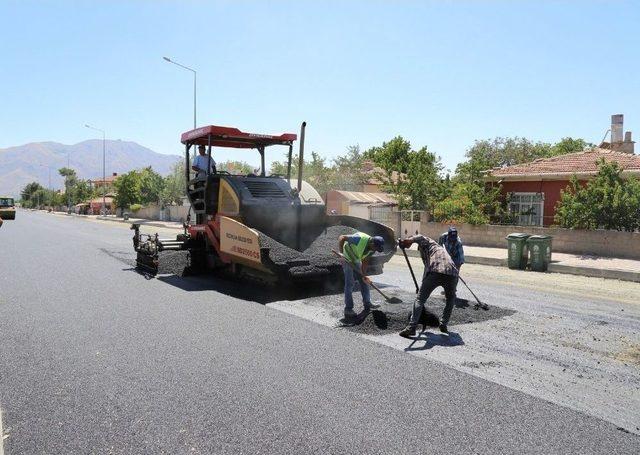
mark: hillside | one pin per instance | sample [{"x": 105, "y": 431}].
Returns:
[{"x": 30, "y": 162}]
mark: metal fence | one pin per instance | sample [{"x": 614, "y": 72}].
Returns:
[
  {"x": 410, "y": 222},
  {"x": 385, "y": 214}
]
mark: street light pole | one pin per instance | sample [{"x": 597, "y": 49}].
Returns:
[
  {"x": 104, "y": 175},
  {"x": 194, "y": 85},
  {"x": 66, "y": 187}
]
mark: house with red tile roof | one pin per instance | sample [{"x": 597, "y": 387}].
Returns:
[
  {"x": 533, "y": 189},
  {"x": 99, "y": 182}
]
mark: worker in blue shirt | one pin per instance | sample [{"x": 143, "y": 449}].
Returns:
[{"x": 453, "y": 244}]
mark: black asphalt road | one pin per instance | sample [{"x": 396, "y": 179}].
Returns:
[{"x": 94, "y": 358}]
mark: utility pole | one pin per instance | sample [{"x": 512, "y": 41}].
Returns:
[
  {"x": 104, "y": 175},
  {"x": 66, "y": 187},
  {"x": 194, "y": 85}
]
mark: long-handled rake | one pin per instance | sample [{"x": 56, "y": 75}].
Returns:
[{"x": 484, "y": 306}]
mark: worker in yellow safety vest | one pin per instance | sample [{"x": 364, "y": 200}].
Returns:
[{"x": 356, "y": 248}]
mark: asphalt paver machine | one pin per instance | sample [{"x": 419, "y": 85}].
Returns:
[{"x": 270, "y": 228}]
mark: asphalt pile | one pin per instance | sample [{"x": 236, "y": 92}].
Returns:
[
  {"x": 173, "y": 263},
  {"x": 394, "y": 317},
  {"x": 317, "y": 258}
]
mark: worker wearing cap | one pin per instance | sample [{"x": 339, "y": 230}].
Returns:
[
  {"x": 453, "y": 244},
  {"x": 203, "y": 163},
  {"x": 439, "y": 270},
  {"x": 356, "y": 248}
]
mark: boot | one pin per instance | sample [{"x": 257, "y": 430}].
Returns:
[
  {"x": 350, "y": 314},
  {"x": 443, "y": 328},
  {"x": 408, "y": 332},
  {"x": 371, "y": 306}
]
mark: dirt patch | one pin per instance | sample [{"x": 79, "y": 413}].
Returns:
[
  {"x": 630, "y": 355},
  {"x": 477, "y": 365}
]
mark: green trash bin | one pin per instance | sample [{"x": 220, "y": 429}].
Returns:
[
  {"x": 540, "y": 251},
  {"x": 518, "y": 253}
]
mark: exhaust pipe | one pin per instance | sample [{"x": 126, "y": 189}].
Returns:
[
  {"x": 300, "y": 166},
  {"x": 301, "y": 157}
]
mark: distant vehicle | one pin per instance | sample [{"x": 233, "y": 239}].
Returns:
[{"x": 7, "y": 208}]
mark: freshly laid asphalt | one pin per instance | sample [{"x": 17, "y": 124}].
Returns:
[{"x": 95, "y": 358}]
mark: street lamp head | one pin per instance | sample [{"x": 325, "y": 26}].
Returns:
[{"x": 167, "y": 59}]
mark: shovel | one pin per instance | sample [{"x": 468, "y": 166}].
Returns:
[
  {"x": 387, "y": 298},
  {"x": 411, "y": 270}
]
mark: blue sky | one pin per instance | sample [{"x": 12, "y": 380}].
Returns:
[{"x": 441, "y": 74}]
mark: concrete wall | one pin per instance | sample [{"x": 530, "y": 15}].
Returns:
[
  {"x": 176, "y": 213},
  {"x": 151, "y": 212},
  {"x": 599, "y": 242},
  {"x": 171, "y": 213}
]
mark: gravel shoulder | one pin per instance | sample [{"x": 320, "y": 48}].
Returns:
[{"x": 574, "y": 341}]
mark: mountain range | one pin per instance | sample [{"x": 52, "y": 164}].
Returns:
[{"x": 34, "y": 162}]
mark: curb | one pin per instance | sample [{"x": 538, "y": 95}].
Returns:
[
  {"x": 141, "y": 222},
  {"x": 610, "y": 274},
  {"x": 116, "y": 220}
]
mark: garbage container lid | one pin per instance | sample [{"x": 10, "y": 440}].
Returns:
[
  {"x": 539, "y": 237},
  {"x": 518, "y": 235}
]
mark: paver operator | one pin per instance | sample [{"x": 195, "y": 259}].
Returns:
[
  {"x": 202, "y": 162},
  {"x": 439, "y": 270},
  {"x": 356, "y": 248}
]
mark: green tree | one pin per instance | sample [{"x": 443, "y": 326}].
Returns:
[
  {"x": 127, "y": 188},
  {"x": 569, "y": 145},
  {"x": 391, "y": 156},
  {"x": 175, "y": 185},
  {"x": 70, "y": 180},
  {"x": 468, "y": 203},
  {"x": 236, "y": 167},
  {"x": 423, "y": 185},
  {"x": 412, "y": 177},
  {"x": 29, "y": 194},
  {"x": 345, "y": 172},
  {"x": 69, "y": 175},
  {"x": 606, "y": 202},
  {"x": 348, "y": 170},
  {"x": 81, "y": 192},
  {"x": 151, "y": 186},
  {"x": 314, "y": 171},
  {"x": 487, "y": 154}
]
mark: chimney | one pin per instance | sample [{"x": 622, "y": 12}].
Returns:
[
  {"x": 617, "y": 121},
  {"x": 628, "y": 144},
  {"x": 617, "y": 144}
]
